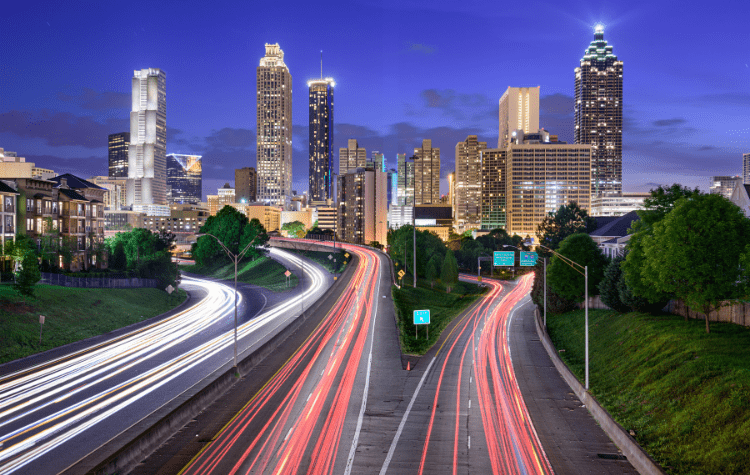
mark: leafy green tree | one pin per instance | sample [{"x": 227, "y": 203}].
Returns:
[
  {"x": 449, "y": 274},
  {"x": 67, "y": 250},
  {"x": 431, "y": 273},
  {"x": 609, "y": 287},
  {"x": 662, "y": 201},
  {"x": 28, "y": 274},
  {"x": 159, "y": 266},
  {"x": 695, "y": 252},
  {"x": 119, "y": 260},
  {"x": 555, "y": 302},
  {"x": 471, "y": 249},
  {"x": 556, "y": 226},
  {"x": 235, "y": 231},
  {"x": 637, "y": 303},
  {"x": 18, "y": 248},
  {"x": 295, "y": 229},
  {"x": 568, "y": 281},
  {"x": 50, "y": 242},
  {"x": 401, "y": 247}
]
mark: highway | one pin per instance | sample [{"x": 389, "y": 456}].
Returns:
[{"x": 56, "y": 411}]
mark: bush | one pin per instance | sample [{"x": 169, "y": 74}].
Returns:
[
  {"x": 555, "y": 303},
  {"x": 28, "y": 275},
  {"x": 609, "y": 286}
]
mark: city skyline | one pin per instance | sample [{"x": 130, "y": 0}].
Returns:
[{"x": 683, "y": 114}]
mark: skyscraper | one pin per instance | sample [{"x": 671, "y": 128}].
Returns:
[
  {"x": 184, "y": 178},
  {"x": 746, "y": 168},
  {"x": 377, "y": 161},
  {"x": 494, "y": 190},
  {"x": 427, "y": 174},
  {"x": 321, "y": 139},
  {"x": 363, "y": 210},
  {"x": 274, "y": 128},
  {"x": 598, "y": 114},
  {"x": 405, "y": 180},
  {"x": 468, "y": 184},
  {"x": 246, "y": 185},
  {"x": 392, "y": 176},
  {"x": 351, "y": 157},
  {"x": 519, "y": 110},
  {"x": 147, "y": 154},
  {"x": 118, "y": 154}
]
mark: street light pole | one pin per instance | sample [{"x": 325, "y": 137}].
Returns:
[{"x": 413, "y": 158}]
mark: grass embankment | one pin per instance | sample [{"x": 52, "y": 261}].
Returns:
[
  {"x": 72, "y": 315},
  {"x": 321, "y": 257},
  {"x": 444, "y": 307},
  {"x": 263, "y": 272},
  {"x": 685, "y": 393}
]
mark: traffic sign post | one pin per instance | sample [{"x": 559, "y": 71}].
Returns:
[
  {"x": 504, "y": 258},
  {"x": 421, "y": 317},
  {"x": 41, "y": 326},
  {"x": 528, "y": 259}
]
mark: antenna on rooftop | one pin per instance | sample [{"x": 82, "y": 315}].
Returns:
[{"x": 321, "y": 64}]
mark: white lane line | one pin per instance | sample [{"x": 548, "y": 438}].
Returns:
[
  {"x": 388, "y": 458},
  {"x": 355, "y": 441},
  {"x": 469, "y": 443},
  {"x": 469, "y": 403},
  {"x": 308, "y": 397}
]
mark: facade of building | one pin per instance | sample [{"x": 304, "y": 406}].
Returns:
[
  {"x": 392, "y": 176},
  {"x": 147, "y": 152},
  {"x": 377, "y": 161},
  {"x": 437, "y": 219},
  {"x": 8, "y": 208},
  {"x": 118, "y": 154},
  {"x": 306, "y": 216},
  {"x": 468, "y": 184},
  {"x": 451, "y": 198},
  {"x": 741, "y": 197},
  {"x": 519, "y": 110},
  {"x": 427, "y": 174},
  {"x": 184, "y": 178},
  {"x": 225, "y": 196},
  {"x": 494, "y": 210},
  {"x": 351, "y": 157},
  {"x": 363, "y": 214},
  {"x": 598, "y": 114},
  {"x": 122, "y": 220},
  {"x": 321, "y": 139},
  {"x": 603, "y": 205},
  {"x": 274, "y": 128},
  {"x": 746, "y": 168},
  {"x": 724, "y": 185},
  {"x": 400, "y": 216},
  {"x": 13, "y": 166},
  {"x": 116, "y": 195},
  {"x": 542, "y": 177},
  {"x": 405, "y": 183},
  {"x": 246, "y": 185},
  {"x": 269, "y": 216},
  {"x": 327, "y": 216}
]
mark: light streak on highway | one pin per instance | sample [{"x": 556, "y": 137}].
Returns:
[
  {"x": 295, "y": 422},
  {"x": 45, "y": 406}
]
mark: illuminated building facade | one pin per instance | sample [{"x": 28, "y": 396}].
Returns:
[
  {"x": 746, "y": 168},
  {"x": 274, "y": 128},
  {"x": 363, "y": 210},
  {"x": 321, "y": 139},
  {"x": 468, "y": 183},
  {"x": 493, "y": 188},
  {"x": 351, "y": 157},
  {"x": 405, "y": 180},
  {"x": 118, "y": 154},
  {"x": 147, "y": 153},
  {"x": 519, "y": 110},
  {"x": 184, "y": 178},
  {"x": 392, "y": 176},
  {"x": 427, "y": 174},
  {"x": 377, "y": 161},
  {"x": 724, "y": 185},
  {"x": 598, "y": 114},
  {"x": 246, "y": 185}
]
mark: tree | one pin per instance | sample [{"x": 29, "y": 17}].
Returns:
[
  {"x": 401, "y": 247},
  {"x": 471, "y": 249},
  {"x": 609, "y": 287},
  {"x": 568, "y": 281},
  {"x": 555, "y": 302},
  {"x": 234, "y": 230},
  {"x": 119, "y": 261},
  {"x": 28, "y": 274},
  {"x": 295, "y": 229},
  {"x": 695, "y": 253},
  {"x": 662, "y": 201},
  {"x": 449, "y": 274},
  {"x": 556, "y": 226},
  {"x": 431, "y": 273},
  {"x": 18, "y": 248},
  {"x": 159, "y": 266}
]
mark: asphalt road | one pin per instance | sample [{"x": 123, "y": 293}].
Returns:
[{"x": 57, "y": 407}]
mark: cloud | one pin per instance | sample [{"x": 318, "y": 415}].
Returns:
[
  {"x": 83, "y": 167},
  {"x": 706, "y": 148},
  {"x": 669, "y": 122},
  {"x": 58, "y": 129},
  {"x": 729, "y": 98},
  {"x": 92, "y": 100},
  {"x": 456, "y": 106},
  {"x": 420, "y": 48},
  {"x": 231, "y": 138}
]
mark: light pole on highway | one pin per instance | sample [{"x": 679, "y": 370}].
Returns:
[
  {"x": 413, "y": 158},
  {"x": 235, "y": 258}
]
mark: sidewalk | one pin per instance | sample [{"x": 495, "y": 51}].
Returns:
[{"x": 573, "y": 441}]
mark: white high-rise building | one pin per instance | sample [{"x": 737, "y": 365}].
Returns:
[
  {"x": 147, "y": 154},
  {"x": 274, "y": 128},
  {"x": 746, "y": 168},
  {"x": 519, "y": 110}
]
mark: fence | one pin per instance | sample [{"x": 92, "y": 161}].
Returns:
[
  {"x": 97, "y": 282},
  {"x": 738, "y": 313}
]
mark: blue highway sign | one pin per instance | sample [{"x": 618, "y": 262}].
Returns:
[
  {"x": 504, "y": 258},
  {"x": 421, "y": 317},
  {"x": 528, "y": 258}
]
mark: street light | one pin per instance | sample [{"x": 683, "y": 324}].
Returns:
[
  {"x": 236, "y": 258},
  {"x": 414, "y": 158}
]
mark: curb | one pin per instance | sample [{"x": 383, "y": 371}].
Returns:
[{"x": 637, "y": 457}]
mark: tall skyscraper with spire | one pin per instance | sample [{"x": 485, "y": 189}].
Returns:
[
  {"x": 598, "y": 114},
  {"x": 321, "y": 138},
  {"x": 147, "y": 153},
  {"x": 274, "y": 128}
]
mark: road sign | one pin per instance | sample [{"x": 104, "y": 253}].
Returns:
[
  {"x": 504, "y": 258},
  {"x": 528, "y": 258},
  {"x": 401, "y": 274},
  {"x": 287, "y": 273},
  {"x": 330, "y": 257},
  {"x": 346, "y": 254},
  {"x": 41, "y": 319},
  {"x": 421, "y": 317},
  {"x": 169, "y": 289}
]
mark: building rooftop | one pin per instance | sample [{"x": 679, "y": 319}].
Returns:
[{"x": 618, "y": 227}]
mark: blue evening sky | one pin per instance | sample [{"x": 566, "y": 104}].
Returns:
[{"x": 404, "y": 71}]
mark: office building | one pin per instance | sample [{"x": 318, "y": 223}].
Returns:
[
  {"x": 269, "y": 216},
  {"x": 405, "y": 179},
  {"x": 363, "y": 213},
  {"x": 724, "y": 185},
  {"x": 118, "y": 154},
  {"x": 184, "y": 178},
  {"x": 746, "y": 168},
  {"x": 147, "y": 153},
  {"x": 351, "y": 157},
  {"x": 451, "y": 198},
  {"x": 493, "y": 189},
  {"x": 13, "y": 166},
  {"x": 400, "y": 215},
  {"x": 392, "y": 176},
  {"x": 598, "y": 113},
  {"x": 427, "y": 174},
  {"x": 437, "y": 219},
  {"x": 327, "y": 216},
  {"x": 603, "y": 205},
  {"x": 376, "y": 161},
  {"x": 224, "y": 196},
  {"x": 468, "y": 183},
  {"x": 116, "y": 195},
  {"x": 274, "y": 128},
  {"x": 321, "y": 139},
  {"x": 8, "y": 210},
  {"x": 245, "y": 185},
  {"x": 519, "y": 110}
]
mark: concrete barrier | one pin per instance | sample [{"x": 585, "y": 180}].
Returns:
[
  {"x": 124, "y": 452},
  {"x": 637, "y": 457}
]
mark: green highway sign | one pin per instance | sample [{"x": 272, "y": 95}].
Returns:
[
  {"x": 421, "y": 317},
  {"x": 503, "y": 258},
  {"x": 528, "y": 258}
]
